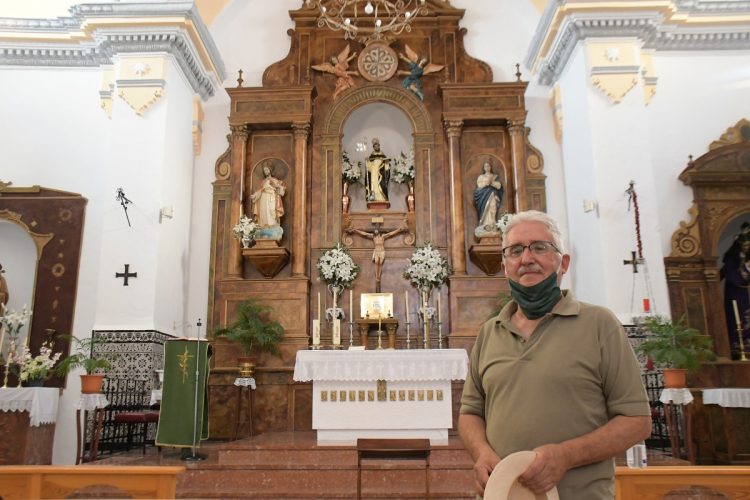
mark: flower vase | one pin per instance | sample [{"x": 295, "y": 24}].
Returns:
[
  {"x": 246, "y": 242},
  {"x": 34, "y": 382},
  {"x": 410, "y": 204},
  {"x": 426, "y": 318},
  {"x": 345, "y": 199}
]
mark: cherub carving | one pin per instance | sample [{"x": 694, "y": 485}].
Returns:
[
  {"x": 339, "y": 66},
  {"x": 417, "y": 68}
]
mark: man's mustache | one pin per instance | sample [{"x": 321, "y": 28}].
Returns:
[{"x": 531, "y": 268}]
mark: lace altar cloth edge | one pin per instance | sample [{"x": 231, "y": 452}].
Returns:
[
  {"x": 392, "y": 365},
  {"x": 676, "y": 396},
  {"x": 40, "y": 402}
]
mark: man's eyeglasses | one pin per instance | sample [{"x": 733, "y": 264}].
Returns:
[{"x": 535, "y": 247}]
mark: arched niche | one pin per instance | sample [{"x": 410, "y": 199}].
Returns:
[
  {"x": 422, "y": 137},
  {"x": 53, "y": 221},
  {"x": 720, "y": 180}
]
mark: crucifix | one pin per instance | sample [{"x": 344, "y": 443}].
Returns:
[
  {"x": 378, "y": 240},
  {"x": 634, "y": 261},
  {"x": 127, "y": 274}
]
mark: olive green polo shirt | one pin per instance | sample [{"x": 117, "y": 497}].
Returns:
[{"x": 575, "y": 373}]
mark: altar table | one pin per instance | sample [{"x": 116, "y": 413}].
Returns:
[
  {"x": 383, "y": 394},
  {"x": 730, "y": 400},
  {"x": 27, "y": 425}
]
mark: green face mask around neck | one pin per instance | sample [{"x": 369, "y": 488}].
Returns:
[{"x": 537, "y": 300}]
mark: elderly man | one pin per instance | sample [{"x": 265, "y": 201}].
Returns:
[{"x": 551, "y": 374}]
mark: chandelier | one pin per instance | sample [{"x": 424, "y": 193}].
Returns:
[{"x": 368, "y": 20}]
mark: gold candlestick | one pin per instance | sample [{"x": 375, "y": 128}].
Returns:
[{"x": 743, "y": 357}]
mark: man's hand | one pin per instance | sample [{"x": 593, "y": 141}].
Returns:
[
  {"x": 483, "y": 467},
  {"x": 547, "y": 469}
]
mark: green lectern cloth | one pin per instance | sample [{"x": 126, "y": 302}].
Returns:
[{"x": 180, "y": 408}]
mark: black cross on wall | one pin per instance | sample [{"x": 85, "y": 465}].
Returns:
[
  {"x": 127, "y": 274},
  {"x": 634, "y": 261}
]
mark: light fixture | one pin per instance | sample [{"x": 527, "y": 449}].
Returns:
[{"x": 368, "y": 20}]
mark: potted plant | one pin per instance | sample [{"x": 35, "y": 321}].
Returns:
[
  {"x": 83, "y": 356},
  {"x": 676, "y": 348},
  {"x": 253, "y": 328}
]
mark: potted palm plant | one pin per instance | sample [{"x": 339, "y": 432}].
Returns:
[
  {"x": 83, "y": 356},
  {"x": 253, "y": 328},
  {"x": 676, "y": 348}
]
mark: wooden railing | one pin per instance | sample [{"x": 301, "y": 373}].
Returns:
[
  {"x": 673, "y": 482},
  {"x": 43, "y": 481}
]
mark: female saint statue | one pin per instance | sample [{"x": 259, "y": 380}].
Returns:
[
  {"x": 736, "y": 276},
  {"x": 487, "y": 198},
  {"x": 267, "y": 200}
]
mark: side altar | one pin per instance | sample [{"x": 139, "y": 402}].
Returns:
[{"x": 381, "y": 394}]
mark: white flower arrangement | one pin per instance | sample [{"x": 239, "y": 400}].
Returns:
[
  {"x": 36, "y": 367},
  {"x": 503, "y": 221},
  {"x": 427, "y": 268},
  {"x": 349, "y": 172},
  {"x": 13, "y": 321},
  {"x": 403, "y": 168},
  {"x": 336, "y": 266},
  {"x": 245, "y": 229}
]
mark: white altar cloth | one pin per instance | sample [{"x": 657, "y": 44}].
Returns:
[
  {"x": 415, "y": 393},
  {"x": 40, "y": 402},
  {"x": 728, "y": 398}
]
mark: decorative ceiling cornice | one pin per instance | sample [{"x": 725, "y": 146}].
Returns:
[
  {"x": 96, "y": 32},
  {"x": 658, "y": 24}
]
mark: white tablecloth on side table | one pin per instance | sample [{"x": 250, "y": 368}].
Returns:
[
  {"x": 40, "y": 402},
  {"x": 90, "y": 402},
  {"x": 676, "y": 396},
  {"x": 728, "y": 398}
]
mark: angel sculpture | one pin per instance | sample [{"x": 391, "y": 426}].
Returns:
[
  {"x": 339, "y": 66},
  {"x": 417, "y": 68}
]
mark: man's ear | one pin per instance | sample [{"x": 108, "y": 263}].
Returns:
[{"x": 564, "y": 264}]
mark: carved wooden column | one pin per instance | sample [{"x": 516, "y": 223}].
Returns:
[
  {"x": 458, "y": 240},
  {"x": 517, "y": 131},
  {"x": 299, "y": 222},
  {"x": 234, "y": 252}
]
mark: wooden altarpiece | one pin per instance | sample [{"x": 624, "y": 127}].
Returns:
[
  {"x": 295, "y": 121},
  {"x": 720, "y": 180}
]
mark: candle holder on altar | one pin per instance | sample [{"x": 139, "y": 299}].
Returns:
[
  {"x": 743, "y": 356},
  {"x": 427, "y": 315},
  {"x": 408, "y": 335}
]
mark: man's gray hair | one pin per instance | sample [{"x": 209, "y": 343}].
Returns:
[{"x": 537, "y": 216}]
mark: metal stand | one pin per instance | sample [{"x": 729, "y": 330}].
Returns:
[
  {"x": 193, "y": 456},
  {"x": 743, "y": 356},
  {"x": 440, "y": 334},
  {"x": 351, "y": 330},
  {"x": 408, "y": 339},
  {"x": 380, "y": 339}
]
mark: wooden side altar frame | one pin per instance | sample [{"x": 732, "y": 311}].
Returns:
[{"x": 372, "y": 408}]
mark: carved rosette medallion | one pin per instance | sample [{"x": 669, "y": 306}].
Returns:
[{"x": 377, "y": 62}]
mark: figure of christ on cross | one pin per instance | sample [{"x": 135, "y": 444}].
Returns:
[{"x": 378, "y": 251}]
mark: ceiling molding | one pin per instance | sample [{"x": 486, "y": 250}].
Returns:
[
  {"x": 658, "y": 24},
  {"x": 97, "y": 32}
]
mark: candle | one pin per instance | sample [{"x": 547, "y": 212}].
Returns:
[
  {"x": 2, "y": 338},
  {"x": 438, "y": 307},
  {"x": 316, "y": 332},
  {"x": 318, "y": 307},
  {"x": 736, "y": 314},
  {"x": 351, "y": 306},
  {"x": 379, "y": 316},
  {"x": 406, "y": 301},
  {"x": 337, "y": 331}
]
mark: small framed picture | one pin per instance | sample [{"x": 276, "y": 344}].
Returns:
[{"x": 376, "y": 305}]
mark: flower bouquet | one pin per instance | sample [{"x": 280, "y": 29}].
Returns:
[
  {"x": 34, "y": 369},
  {"x": 337, "y": 269},
  {"x": 503, "y": 221},
  {"x": 351, "y": 173},
  {"x": 427, "y": 268},
  {"x": 245, "y": 230},
  {"x": 403, "y": 168},
  {"x": 11, "y": 323}
]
